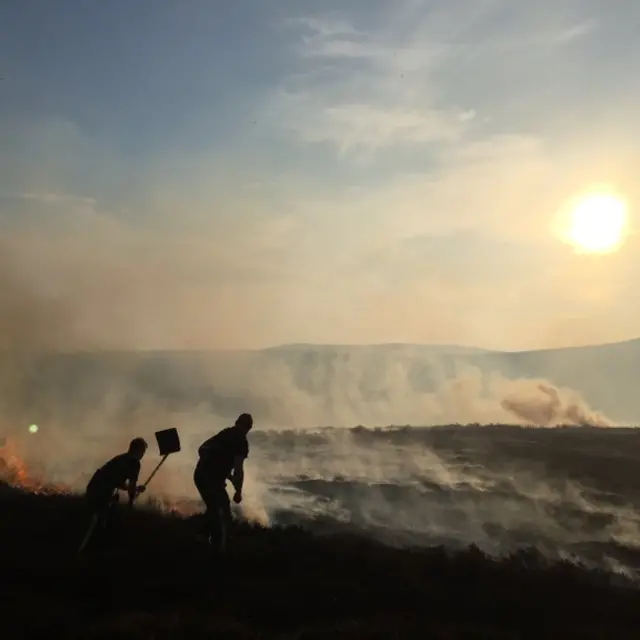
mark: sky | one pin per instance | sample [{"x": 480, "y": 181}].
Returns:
[{"x": 240, "y": 175}]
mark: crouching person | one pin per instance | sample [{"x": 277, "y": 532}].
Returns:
[{"x": 118, "y": 474}]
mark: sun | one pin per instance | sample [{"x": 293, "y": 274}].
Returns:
[{"x": 596, "y": 223}]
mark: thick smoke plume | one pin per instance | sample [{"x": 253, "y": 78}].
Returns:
[{"x": 544, "y": 405}]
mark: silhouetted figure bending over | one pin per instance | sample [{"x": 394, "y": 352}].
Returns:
[
  {"x": 221, "y": 458},
  {"x": 119, "y": 473}
]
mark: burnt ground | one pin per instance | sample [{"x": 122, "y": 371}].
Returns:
[{"x": 281, "y": 583}]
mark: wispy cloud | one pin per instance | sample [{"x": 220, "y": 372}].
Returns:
[
  {"x": 51, "y": 198},
  {"x": 576, "y": 31},
  {"x": 362, "y": 92},
  {"x": 358, "y": 130}
]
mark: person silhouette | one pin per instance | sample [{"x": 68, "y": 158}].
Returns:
[
  {"x": 221, "y": 458},
  {"x": 120, "y": 473}
]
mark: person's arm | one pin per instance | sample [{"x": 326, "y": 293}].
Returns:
[
  {"x": 237, "y": 477},
  {"x": 132, "y": 488}
]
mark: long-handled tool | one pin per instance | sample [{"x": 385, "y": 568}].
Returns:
[
  {"x": 92, "y": 526},
  {"x": 168, "y": 442},
  {"x": 95, "y": 519}
]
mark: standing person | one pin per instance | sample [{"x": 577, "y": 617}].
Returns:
[
  {"x": 119, "y": 473},
  {"x": 221, "y": 458}
]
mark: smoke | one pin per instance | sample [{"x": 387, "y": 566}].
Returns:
[
  {"x": 397, "y": 489},
  {"x": 544, "y": 405},
  {"x": 33, "y": 315},
  {"x": 429, "y": 487},
  {"x": 56, "y": 371},
  {"x": 88, "y": 406},
  {"x": 360, "y": 387}
]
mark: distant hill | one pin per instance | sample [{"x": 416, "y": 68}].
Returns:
[
  {"x": 390, "y": 347},
  {"x": 66, "y": 386}
]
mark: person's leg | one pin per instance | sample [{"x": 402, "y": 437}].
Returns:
[
  {"x": 111, "y": 519},
  {"x": 215, "y": 516},
  {"x": 96, "y": 505},
  {"x": 203, "y": 485},
  {"x": 223, "y": 517},
  {"x": 225, "y": 503}
]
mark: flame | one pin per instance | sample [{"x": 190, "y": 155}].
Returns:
[
  {"x": 12, "y": 469},
  {"x": 14, "y": 472}
]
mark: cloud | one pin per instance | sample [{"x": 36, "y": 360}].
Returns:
[
  {"x": 576, "y": 31},
  {"x": 362, "y": 92},
  {"x": 360, "y": 129},
  {"x": 53, "y": 198},
  {"x": 365, "y": 90}
]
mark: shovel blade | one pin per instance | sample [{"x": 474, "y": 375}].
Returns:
[{"x": 168, "y": 441}]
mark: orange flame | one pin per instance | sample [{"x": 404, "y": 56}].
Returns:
[{"x": 13, "y": 471}]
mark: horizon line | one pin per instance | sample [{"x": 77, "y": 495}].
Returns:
[{"x": 395, "y": 344}]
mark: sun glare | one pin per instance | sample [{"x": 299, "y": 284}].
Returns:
[{"x": 596, "y": 223}]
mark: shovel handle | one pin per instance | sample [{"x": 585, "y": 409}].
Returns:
[
  {"x": 92, "y": 526},
  {"x": 153, "y": 473}
]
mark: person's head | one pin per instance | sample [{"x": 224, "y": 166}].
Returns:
[
  {"x": 244, "y": 422},
  {"x": 138, "y": 447}
]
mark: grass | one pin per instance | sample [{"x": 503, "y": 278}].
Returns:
[{"x": 281, "y": 583}]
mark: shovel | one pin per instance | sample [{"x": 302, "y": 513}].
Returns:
[{"x": 168, "y": 442}]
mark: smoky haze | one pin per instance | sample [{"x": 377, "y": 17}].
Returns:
[
  {"x": 61, "y": 369},
  {"x": 32, "y": 315},
  {"x": 89, "y": 399},
  {"x": 62, "y": 364}
]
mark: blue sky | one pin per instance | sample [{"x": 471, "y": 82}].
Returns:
[{"x": 208, "y": 175}]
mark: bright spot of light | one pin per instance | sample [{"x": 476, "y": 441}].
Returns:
[
  {"x": 33, "y": 428},
  {"x": 596, "y": 222}
]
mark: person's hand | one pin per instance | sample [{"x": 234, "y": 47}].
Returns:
[
  {"x": 140, "y": 489},
  {"x": 237, "y": 497}
]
